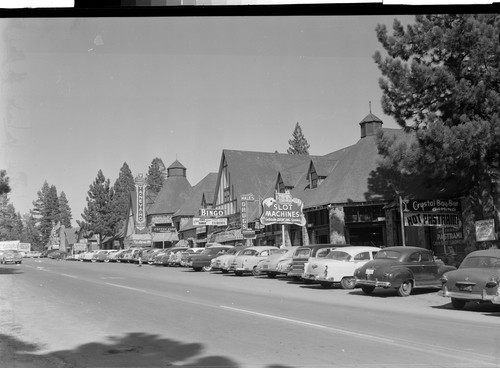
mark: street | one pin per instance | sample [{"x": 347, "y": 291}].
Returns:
[{"x": 79, "y": 314}]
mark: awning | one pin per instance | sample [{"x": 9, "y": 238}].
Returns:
[
  {"x": 165, "y": 237},
  {"x": 138, "y": 240}
]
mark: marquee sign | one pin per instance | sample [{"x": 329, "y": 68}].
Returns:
[
  {"x": 140, "y": 187},
  {"x": 209, "y": 212},
  {"x": 432, "y": 212},
  {"x": 282, "y": 210}
]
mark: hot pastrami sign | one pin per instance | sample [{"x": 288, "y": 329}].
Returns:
[{"x": 432, "y": 212}]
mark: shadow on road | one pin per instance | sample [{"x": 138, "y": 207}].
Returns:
[
  {"x": 10, "y": 270},
  {"x": 131, "y": 350}
]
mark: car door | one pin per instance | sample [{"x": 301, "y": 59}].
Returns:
[
  {"x": 429, "y": 269},
  {"x": 415, "y": 266}
]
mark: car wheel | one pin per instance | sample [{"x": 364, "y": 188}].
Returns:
[
  {"x": 326, "y": 285},
  {"x": 106, "y": 260},
  {"x": 238, "y": 273},
  {"x": 348, "y": 283},
  {"x": 405, "y": 288},
  {"x": 225, "y": 271},
  {"x": 207, "y": 268},
  {"x": 256, "y": 271},
  {"x": 271, "y": 275},
  {"x": 367, "y": 289},
  {"x": 197, "y": 269},
  {"x": 458, "y": 303}
]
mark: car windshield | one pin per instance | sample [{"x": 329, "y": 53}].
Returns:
[
  {"x": 233, "y": 251},
  {"x": 303, "y": 252},
  {"x": 481, "y": 262},
  {"x": 338, "y": 255},
  {"x": 388, "y": 254},
  {"x": 249, "y": 252}
]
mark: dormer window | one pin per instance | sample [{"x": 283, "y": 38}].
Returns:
[{"x": 313, "y": 178}]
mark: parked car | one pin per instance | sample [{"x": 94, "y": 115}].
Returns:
[
  {"x": 186, "y": 253},
  {"x": 201, "y": 261},
  {"x": 147, "y": 255},
  {"x": 33, "y": 254},
  {"x": 114, "y": 256},
  {"x": 269, "y": 265},
  {"x": 283, "y": 266},
  {"x": 338, "y": 267},
  {"x": 304, "y": 253},
  {"x": 88, "y": 256},
  {"x": 477, "y": 279},
  {"x": 174, "y": 258},
  {"x": 246, "y": 261},
  {"x": 402, "y": 269},
  {"x": 57, "y": 254},
  {"x": 165, "y": 258},
  {"x": 10, "y": 256},
  {"x": 224, "y": 261},
  {"x": 100, "y": 255}
]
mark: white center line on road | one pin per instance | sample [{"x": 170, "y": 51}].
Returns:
[{"x": 478, "y": 360}]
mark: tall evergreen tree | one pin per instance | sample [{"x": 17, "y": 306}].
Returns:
[
  {"x": 4, "y": 183},
  {"x": 30, "y": 233},
  {"x": 123, "y": 186},
  {"x": 441, "y": 79},
  {"x": 156, "y": 176},
  {"x": 9, "y": 222},
  {"x": 46, "y": 210},
  {"x": 99, "y": 216},
  {"x": 298, "y": 143},
  {"x": 64, "y": 210}
]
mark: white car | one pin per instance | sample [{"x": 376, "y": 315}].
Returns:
[
  {"x": 338, "y": 267},
  {"x": 224, "y": 262},
  {"x": 246, "y": 261}
]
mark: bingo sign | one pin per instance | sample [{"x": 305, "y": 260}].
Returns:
[
  {"x": 432, "y": 212},
  {"x": 140, "y": 186},
  {"x": 282, "y": 210}
]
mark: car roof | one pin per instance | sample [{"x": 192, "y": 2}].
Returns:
[
  {"x": 357, "y": 249},
  {"x": 405, "y": 249},
  {"x": 485, "y": 252}
]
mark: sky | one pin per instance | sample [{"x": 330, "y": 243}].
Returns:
[{"x": 87, "y": 94}]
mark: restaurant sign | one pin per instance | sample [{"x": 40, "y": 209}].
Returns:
[
  {"x": 432, "y": 212},
  {"x": 485, "y": 230},
  {"x": 282, "y": 210}
]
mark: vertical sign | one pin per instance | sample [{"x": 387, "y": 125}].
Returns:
[
  {"x": 245, "y": 198},
  {"x": 140, "y": 185}
]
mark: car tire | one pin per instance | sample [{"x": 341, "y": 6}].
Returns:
[
  {"x": 458, "y": 303},
  {"x": 238, "y": 273},
  {"x": 225, "y": 271},
  {"x": 207, "y": 268},
  {"x": 405, "y": 288},
  {"x": 348, "y": 283},
  {"x": 326, "y": 284},
  {"x": 271, "y": 275},
  {"x": 367, "y": 289},
  {"x": 197, "y": 269},
  {"x": 255, "y": 271}
]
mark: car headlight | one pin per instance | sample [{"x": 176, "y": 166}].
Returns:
[{"x": 493, "y": 282}]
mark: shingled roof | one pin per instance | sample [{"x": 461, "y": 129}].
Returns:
[
  {"x": 174, "y": 192},
  {"x": 206, "y": 187}
]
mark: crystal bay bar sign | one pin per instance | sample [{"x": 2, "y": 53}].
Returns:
[{"x": 282, "y": 210}]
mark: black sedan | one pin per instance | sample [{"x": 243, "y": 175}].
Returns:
[
  {"x": 402, "y": 269},
  {"x": 477, "y": 279}
]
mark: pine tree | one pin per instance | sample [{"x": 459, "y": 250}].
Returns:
[
  {"x": 64, "y": 210},
  {"x": 440, "y": 81},
  {"x": 4, "y": 183},
  {"x": 99, "y": 216},
  {"x": 298, "y": 144},
  {"x": 9, "y": 225},
  {"x": 46, "y": 211},
  {"x": 156, "y": 176},
  {"x": 30, "y": 233},
  {"x": 123, "y": 186}
]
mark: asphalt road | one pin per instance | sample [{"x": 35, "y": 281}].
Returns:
[{"x": 75, "y": 314}]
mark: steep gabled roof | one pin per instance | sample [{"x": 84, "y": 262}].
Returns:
[
  {"x": 174, "y": 192},
  {"x": 193, "y": 203},
  {"x": 256, "y": 172},
  {"x": 349, "y": 179}
]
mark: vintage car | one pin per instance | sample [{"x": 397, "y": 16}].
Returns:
[
  {"x": 224, "y": 262},
  {"x": 269, "y": 265},
  {"x": 338, "y": 267},
  {"x": 283, "y": 266},
  {"x": 11, "y": 256},
  {"x": 304, "y": 253},
  {"x": 186, "y": 253},
  {"x": 202, "y": 261},
  {"x": 166, "y": 257},
  {"x": 477, "y": 279},
  {"x": 401, "y": 268},
  {"x": 100, "y": 255},
  {"x": 246, "y": 261},
  {"x": 114, "y": 256}
]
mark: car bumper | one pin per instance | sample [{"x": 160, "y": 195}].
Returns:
[
  {"x": 494, "y": 298},
  {"x": 376, "y": 283}
]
